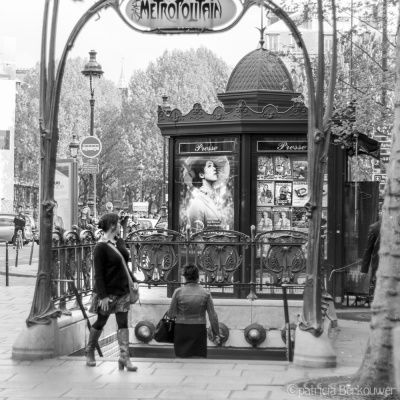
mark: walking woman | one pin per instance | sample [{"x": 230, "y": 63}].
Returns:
[
  {"x": 111, "y": 290},
  {"x": 189, "y": 305}
]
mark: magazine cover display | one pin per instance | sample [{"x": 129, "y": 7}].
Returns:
[
  {"x": 264, "y": 219},
  {"x": 265, "y": 193},
  {"x": 283, "y": 167},
  {"x": 300, "y": 194},
  {"x": 283, "y": 193},
  {"x": 299, "y": 219},
  {"x": 282, "y": 218},
  {"x": 300, "y": 166},
  {"x": 265, "y": 168}
]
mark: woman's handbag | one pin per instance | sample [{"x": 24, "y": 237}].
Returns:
[
  {"x": 165, "y": 329},
  {"x": 134, "y": 294}
]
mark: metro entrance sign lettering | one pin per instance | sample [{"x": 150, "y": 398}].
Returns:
[
  {"x": 180, "y": 14},
  {"x": 90, "y": 146}
]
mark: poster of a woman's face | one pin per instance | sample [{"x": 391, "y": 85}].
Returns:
[{"x": 206, "y": 190}]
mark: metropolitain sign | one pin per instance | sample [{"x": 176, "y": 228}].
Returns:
[{"x": 180, "y": 14}]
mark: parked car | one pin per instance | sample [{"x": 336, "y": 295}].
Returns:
[{"x": 7, "y": 227}]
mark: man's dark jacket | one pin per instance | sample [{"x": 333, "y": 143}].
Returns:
[{"x": 371, "y": 252}]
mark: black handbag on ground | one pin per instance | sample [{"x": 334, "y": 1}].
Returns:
[{"x": 164, "y": 332}]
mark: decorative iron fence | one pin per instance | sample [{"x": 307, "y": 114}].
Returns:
[{"x": 230, "y": 261}]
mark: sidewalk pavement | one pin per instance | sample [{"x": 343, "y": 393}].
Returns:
[{"x": 69, "y": 378}]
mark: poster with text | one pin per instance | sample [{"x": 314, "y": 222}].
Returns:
[
  {"x": 282, "y": 218},
  {"x": 206, "y": 189},
  {"x": 300, "y": 194},
  {"x": 63, "y": 196},
  {"x": 282, "y": 167},
  {"x": 300, "y": 166},
  {"x": 283, "y": 193},
  {"x": 265, "y": 167},
  {"x": 299, "y": 219},
  {"x": 264, "y": 219},
  {"x": 265, "y": 193}
]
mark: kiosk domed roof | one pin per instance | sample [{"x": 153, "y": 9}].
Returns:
[{"x": 260, "y": 70}]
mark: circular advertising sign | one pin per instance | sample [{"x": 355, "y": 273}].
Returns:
[{"x": 90, "y": 146}]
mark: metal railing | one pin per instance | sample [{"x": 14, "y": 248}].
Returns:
[{"x": 234, "y": 263}]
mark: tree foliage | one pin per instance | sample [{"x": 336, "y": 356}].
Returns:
[
  {"x": 186, "y": 77},
  {"x": 126, "y": 124}
]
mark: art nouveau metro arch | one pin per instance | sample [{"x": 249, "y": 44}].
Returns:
[{"x": 183, "y": 17}]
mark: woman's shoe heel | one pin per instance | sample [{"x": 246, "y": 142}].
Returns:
[{"x": 121, "y": 365}]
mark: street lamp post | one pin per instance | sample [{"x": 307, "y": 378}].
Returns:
[
  {"x": 140, "y": 169},
  {"x": 73, "y": 151},
  {"x": 93, "y": 71}
]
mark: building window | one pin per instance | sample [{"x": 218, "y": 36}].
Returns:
[{"x": 273, "y": 42}]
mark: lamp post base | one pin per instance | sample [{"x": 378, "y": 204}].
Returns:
[
  {"x": 314, "y": 352},
  {"x": 36, "y": 342}
]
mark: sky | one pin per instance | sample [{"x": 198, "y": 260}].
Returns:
[{"x": 113, "y": 39}]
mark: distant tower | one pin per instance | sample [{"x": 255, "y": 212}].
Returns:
[{"x": 122, "y": 85}]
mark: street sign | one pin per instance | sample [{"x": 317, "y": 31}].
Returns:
[
  {"x": 90, "y": 146},
  {"x": 385, "y": 159},
  {"x": 142, "y": 206},
  {"x": 90, "y": 170},
  {"x": 379, "y": 178},
  {"x": 90, "y": 165}
]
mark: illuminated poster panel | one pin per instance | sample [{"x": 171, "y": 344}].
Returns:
[
  {"x": 64, "y": 195},
  {"x": 206, "y": 185}
]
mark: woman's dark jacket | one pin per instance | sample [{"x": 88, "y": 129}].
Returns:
[{"x": 109, "y": 271}]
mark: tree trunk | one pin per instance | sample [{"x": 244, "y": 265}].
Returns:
[{"x": 377, "y": 369}]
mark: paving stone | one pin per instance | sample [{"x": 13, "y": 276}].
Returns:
[
  {"x": 137, "y": 378},
  {"x": 170, "y": 385},
  {"x": 263, "y": 388},
  {"x": 17, "y": 385},
  {"x": 186, "y": 372},
  {"x": 194, "y": 394},
  {"x": 40, "y": 378},
  {"x": 223, "y": 386},
  {"x": 209, "y": 365},
  {"x": 161, "y": 365},
  {"x": 111, "y": 394},
  {"x": 229, "y": 372},
  {"x": 253, "y": 395},
  {"x": 230, "y": 380},
  {"x": 37, "y": 393},
  {"x": 5, "y": 376},
  {"x": 264, "y": 367}
]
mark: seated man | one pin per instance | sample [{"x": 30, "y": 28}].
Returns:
[{"x": 19, "y": 225}]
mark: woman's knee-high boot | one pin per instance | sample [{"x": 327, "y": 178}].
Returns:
[
  {"x": 123, "y": 341},
  {"x": 91, "y": 346}
]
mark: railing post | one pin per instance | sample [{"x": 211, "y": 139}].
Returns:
[
  {"x": 252, "y": 295},
  {"x": 289, "y": 350},
  {"x": 7, "y": 266}
]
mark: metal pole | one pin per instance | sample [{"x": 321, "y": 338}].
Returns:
[
  {"x": 92, "y": 183},
  {"x": 7, "y": 266},
  {"x": 30, "y": 258},
  {"x": 141, "y": 186},
  {"x": 94, "y": 195},
  {"x": 289, "y": 350}
]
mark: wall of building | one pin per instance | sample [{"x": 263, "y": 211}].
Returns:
[{"x": 7, "y": 122}]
